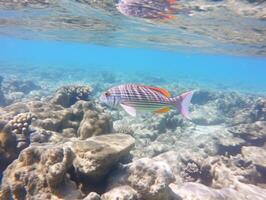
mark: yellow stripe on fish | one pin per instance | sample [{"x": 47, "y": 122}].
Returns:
[{"x": 133, "y": 98}]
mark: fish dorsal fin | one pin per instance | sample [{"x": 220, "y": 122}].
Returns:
[
  {"x": 162, "y": 91},
  {"x": 162, "y": 110},
  {"x": 130, "y": 110}
]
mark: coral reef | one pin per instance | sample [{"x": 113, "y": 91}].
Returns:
[
  {"x": 40, "y": 172},
  {"x": 94, "y": 123},
  {"x": 18, "y": 129},
  {"x": 12, "y": 91},
  {"x": 96, "y": 156},
  {"x": 25, "y": 87},
  {"x": 14, "y": 136},
  {"x": 69, "y": 95},
  {"x": 20, "y": 126},
  {"x": 253, "y": 133},
  {"x": 256, "y": 155},
  {"x": 201, "y": 97},
  {"x": 43, "y": 171},
  {"x": 68, "y": 146},
  {"x": 18, "y": 90},
  {"x": 193, "y": 191},
  {"x": 66, "y": 120},
  {"x": 92, "y": 196},
  {"x": 144, "y": 179},
  {"x": 124, "y": 192}
]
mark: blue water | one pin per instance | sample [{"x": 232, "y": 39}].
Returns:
[
  {"x": 230, "y": 72},
  {"x": 58, "y": 56}
]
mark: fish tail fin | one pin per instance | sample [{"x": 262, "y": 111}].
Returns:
[{"x": 182, "y": 103}]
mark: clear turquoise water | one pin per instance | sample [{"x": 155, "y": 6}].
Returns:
[
  {"x": 245, "y": 73},
  {"x": 220, "y": 47}
]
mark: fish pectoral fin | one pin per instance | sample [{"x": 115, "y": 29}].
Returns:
[
  {"x": 162, "y": 110},
  {"x": 130, "y": 110},
  {"x": 160, "y": 90}
]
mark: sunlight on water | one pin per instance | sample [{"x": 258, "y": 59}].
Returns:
[
  {"x": 206, "y": 26},
  {"x": 133, "y": 99}
]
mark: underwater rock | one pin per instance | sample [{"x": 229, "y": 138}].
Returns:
[
  {"x": 8, "y": 112},
  {"x": 59, "y": 118},
  {"x": 149, "y": 178},
  {"x": 231, "y": 102},
  {"x": 223, "y": 107},
  {"x": 255, "y": 154},
  {"x": 229, "y": 145},
  {"x": 124, "y": 192},
  {"x": 92, "y": 196},
  {"x": 230, "y": 178},
  {"x": 207, "y": 114},
  {"x": 197, "y": 171},
  {"x": 254, "y": 133},
  {"x": 96, "y": 156},
  {"x": 20, "y": 126},
  {"x": 25, "y": 87},
  {"x": 14, "y": 136},
  {"x": 156, "y": 148},
  {"x": 255, "y": 112},
  {"x": 14, "y": 97},
  {"x": 259, "y": 110},
  {"x": 8, "y": 145},
  {"x": 197, "y": 191},
  {"x": 67, "y": 121},
  {"x": 168, "y": 121},
  {"x": 173, "y": 159},
  {"x": 212, "y": 171},
  {"x": 202, "y": 97},
  {"x": 69, "y": 95},
  {"x": 94, "y": 123},
  {"x": 235, "y": 172},
  {"x": 187, "y": 166},
  {"x": 124, "y": 128},
  {"x": 40, "y": 135},
  {"x": 40, "y": 172}
]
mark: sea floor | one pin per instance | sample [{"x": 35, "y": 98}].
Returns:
[{"x": 58, "y": 142}]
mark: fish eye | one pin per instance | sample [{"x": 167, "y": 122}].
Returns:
[{"x": 107, "y": 94}]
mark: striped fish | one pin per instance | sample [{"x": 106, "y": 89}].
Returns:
[
  {"x": 149, "y": 9},
  {"x": 133, "y": 98}
]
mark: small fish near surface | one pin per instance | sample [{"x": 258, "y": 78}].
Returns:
[
  {"x": 135, "y": 98},
  {"x": 148, "y": 9}
]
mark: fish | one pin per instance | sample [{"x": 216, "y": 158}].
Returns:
[
  {"x": 135, "y": 98},
  {"x": 149, "y": 9}
]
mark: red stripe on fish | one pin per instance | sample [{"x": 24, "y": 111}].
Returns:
[{"x": 133, "y": 96}]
